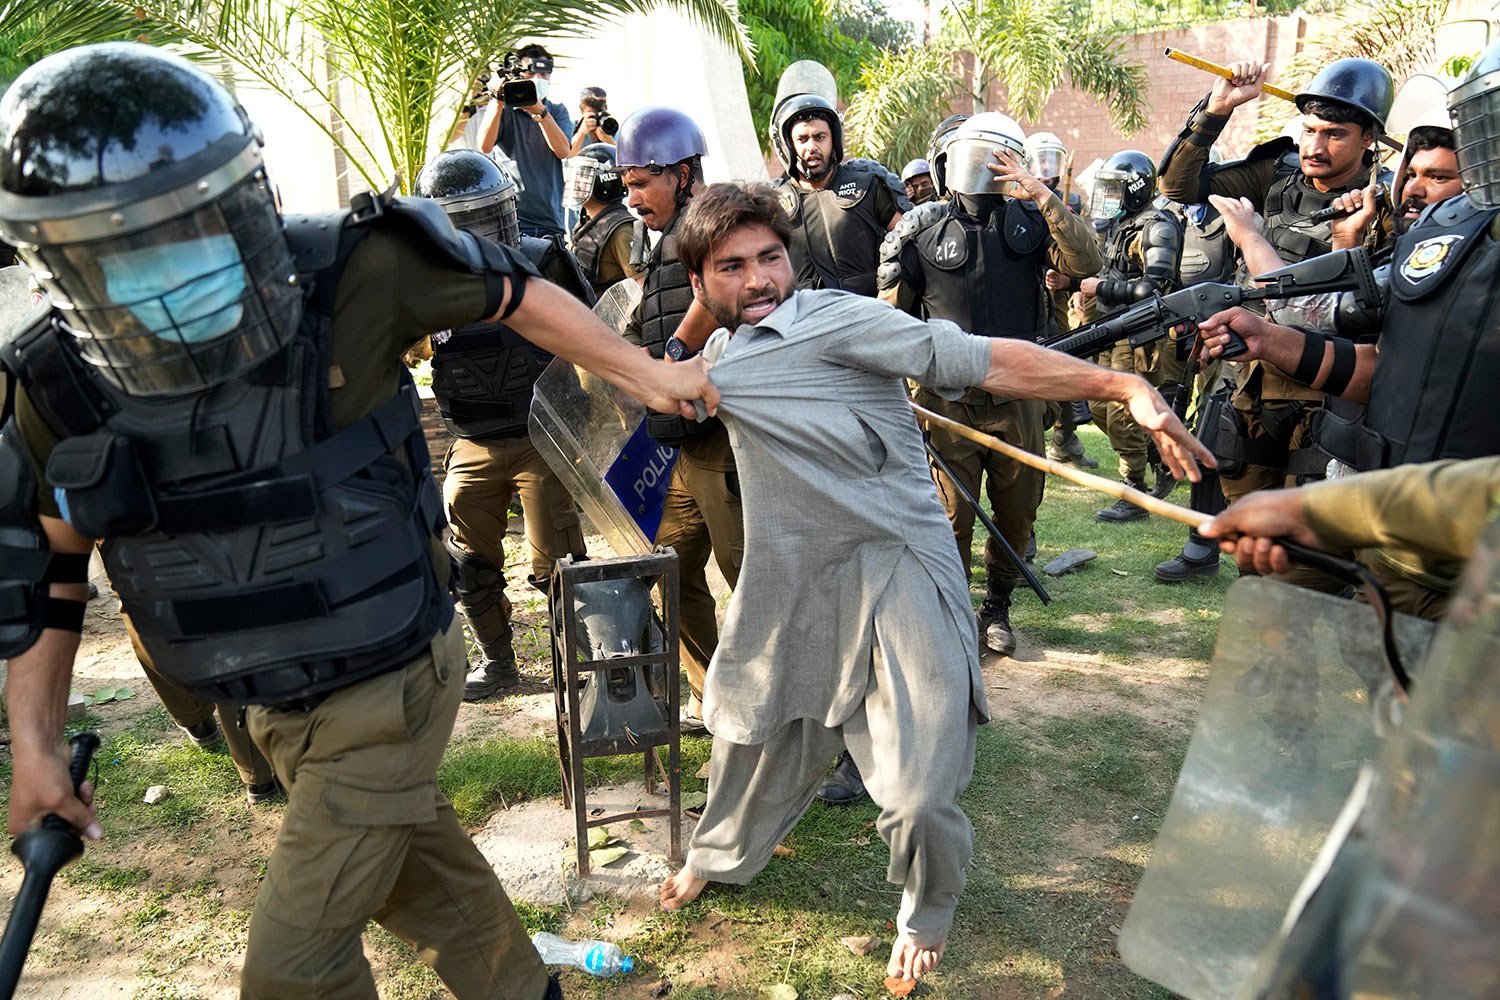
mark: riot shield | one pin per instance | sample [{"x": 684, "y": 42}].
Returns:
[
  {"x": 1298, "y": 698},
  {"x": 807, "y": 77},
  {"x": 1408, "y": 904},
  {"x": 594, "y": 437}
]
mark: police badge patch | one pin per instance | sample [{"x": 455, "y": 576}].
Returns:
[{"x": 1429, "y": 257}]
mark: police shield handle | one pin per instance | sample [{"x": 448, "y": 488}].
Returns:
[
  {"x": 1120, "y": 491},
  {"x": 1187, "y": 59}
]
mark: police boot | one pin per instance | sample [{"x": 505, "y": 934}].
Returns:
[
  {"x": 481, "y": 595},
  {"x": 1123, "y": 510},
  {"x": 994, "y": 619},
  {"x": 554, "y": 989},
  {"x": 844, "y": 786},
  {"x": 1165, "y": 481},
  {"x": 1065, "y": 447},
  {"x": 1199, "y": 557}
]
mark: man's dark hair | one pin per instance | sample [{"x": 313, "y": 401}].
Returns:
[
  {"x": 722, "y": 208},
  {"x": 1339, "y": 113},
  {"x": 1428, "y": 137},
  {"x": 593, "y": 98},
  {"x": 534, "y": 51}
]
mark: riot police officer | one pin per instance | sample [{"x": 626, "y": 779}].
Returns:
[
  {"x": 606, "y": 229},
  {"x": 217, "y": 395},
  {"x": 916, "y": 177},
  {"x": 660, "y": 151},
  {"x": 840, "y": 211},
  {"x": 482, "y": 375},
  {"x": 1429, "y": 383},
  {"x": 979, "y": 261},
  {"x": 1343, "y": 113},
  {"x": 1143, "y": 251}
]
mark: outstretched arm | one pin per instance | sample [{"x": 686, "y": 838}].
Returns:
[{"x": 1026, "y": 371}]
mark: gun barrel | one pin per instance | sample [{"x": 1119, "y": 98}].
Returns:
[{"x": 1100, "y": 335}]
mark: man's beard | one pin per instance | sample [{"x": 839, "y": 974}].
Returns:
[
  {"x": 731, "y": 315},
  {"x": 815, "y": 175},
  {"x": 1402, "y": 225}
]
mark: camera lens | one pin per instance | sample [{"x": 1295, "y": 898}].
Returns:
[{"x": 608, "y": 125}]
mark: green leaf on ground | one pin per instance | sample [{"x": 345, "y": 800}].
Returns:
[
  {"x": 598, "y": 836},
  {"x": 781, "y": 991},
  {"x": 602, "y": 856},
  {"x": 694, "y": 800}
]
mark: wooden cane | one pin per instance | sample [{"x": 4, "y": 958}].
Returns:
[
  {"x": 1224, "y": 72},
  {"x": 1120, "y": 491}
]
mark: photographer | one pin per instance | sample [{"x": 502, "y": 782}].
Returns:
[
  {"x": 533, "y": 132},
  {"x": 477, "y": 114},
  {"x": 595, "y": 123}
]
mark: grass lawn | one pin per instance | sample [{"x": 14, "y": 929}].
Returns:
[{"x": 1073, "y": 776}]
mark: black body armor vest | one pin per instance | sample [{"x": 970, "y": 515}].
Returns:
[
  {"x": 836, "y": 232},
  {"x": 980, "y": 246},
  {"x": 665, "y": 299},
  {"x": 1289, "y": 203},
  {"x": 590, "y": 239},
  {"x": 1121, "y": 265},
  {"x": 483, "y": 373},
  {"x": 263, "y": 555},
  {"x": 1433, "y": 393},
  {"x": 1207, "y": 252}
]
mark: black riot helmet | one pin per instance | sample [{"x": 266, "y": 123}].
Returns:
[
  {"x": 801, "y": 108},
  {"x": 592, "y": 174},
  {"x": 1123, "y": 185},
  {"x": 937, "y": 157},
  {"x": 478, "y": 196},
  {"x": 131, "y": 183},
  {"x": 1475, "y": 107},
  {"x": 1360, "y": 83}
]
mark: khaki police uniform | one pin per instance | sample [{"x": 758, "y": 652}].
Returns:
[{"x": 366, "y": 833}]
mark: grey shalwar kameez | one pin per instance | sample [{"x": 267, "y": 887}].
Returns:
[{"x": 852, "y": 624}]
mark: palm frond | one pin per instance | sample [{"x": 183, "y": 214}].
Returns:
[{"x": 901, "y": 96}]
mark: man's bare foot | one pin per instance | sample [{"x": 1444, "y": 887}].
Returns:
[
  {"x": 680, "y": 890},
  {"x": 911, "y": 962}
]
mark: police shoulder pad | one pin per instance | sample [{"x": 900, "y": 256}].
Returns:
[
  {"x": 1025, "y": 228},
  {"x": 313, "y": 239},
  {"x": 945, "y": 246}
]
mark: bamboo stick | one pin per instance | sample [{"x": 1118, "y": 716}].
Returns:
[{"x": 1120, "y": 491}]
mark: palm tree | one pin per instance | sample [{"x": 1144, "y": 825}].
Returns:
[
  {"x": 414, "y": 60},
  {"x": 1397, "y": 34},
  {"x": 1031, "y": 46}
]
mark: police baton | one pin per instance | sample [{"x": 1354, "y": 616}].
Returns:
[
  {"x": 1224, "y": 72},
  {"x": 43, "y": 851},
  {"x": 986, "y": 520}
]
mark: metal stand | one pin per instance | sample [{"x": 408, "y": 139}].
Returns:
[{"x": 617, "y": 697}]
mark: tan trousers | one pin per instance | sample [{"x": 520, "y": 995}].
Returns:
[
  {"x": 1125, "y": 435},
  {"x": 702, "y": 513},
  {"x": 367, "y": 835},
  {"x": 1014, "y": 490},
  {"x": 483, "y": 476}
]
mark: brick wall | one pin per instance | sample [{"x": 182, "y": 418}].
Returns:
[{"x": 1082, "y": 122}]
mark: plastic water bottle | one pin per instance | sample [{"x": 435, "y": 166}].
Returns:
[{"x": 598, "y": 958}]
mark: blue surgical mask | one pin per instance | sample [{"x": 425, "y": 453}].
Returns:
[
  {"x": 195, "y": 285},
  {"x": 542, "y": 86}
]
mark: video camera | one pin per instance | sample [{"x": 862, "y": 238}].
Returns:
[{"x": 516, "y": 90}]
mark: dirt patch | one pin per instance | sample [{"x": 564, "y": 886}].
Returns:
[{"x": 1065, "y": 683}]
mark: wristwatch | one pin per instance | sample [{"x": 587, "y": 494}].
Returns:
[
  {"x": 678, "y": 350},
  {"x": 537, "y": 118}
]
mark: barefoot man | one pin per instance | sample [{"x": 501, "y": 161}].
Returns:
[{"x": 852, "y": 626}]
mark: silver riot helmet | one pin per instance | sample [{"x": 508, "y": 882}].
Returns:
[
  {"x": 1124, "y": 185},
  {"x": 477, "y": 195},
  {"x": 131, "y": 183},
  {"x": 1475, "y": 107},
  {"x": 592, "y": 174},
  {"x": 1046, "y": 157},
  {"x": 972, "y": 147}
]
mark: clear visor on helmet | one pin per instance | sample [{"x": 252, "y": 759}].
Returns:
[
  {"x": 1476, "y": 139},
  {"x": 1108, "y": 196},
  {"x": 185, "y": 304},
  {"x": 1047, "y": 164},
  {"x": 967, "y": 170},
  {"x": 579, "y": 175}
]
